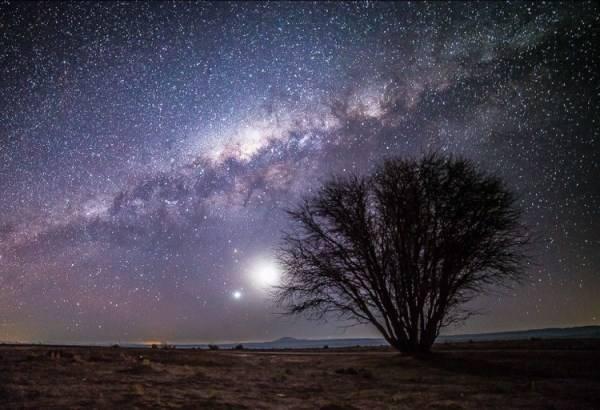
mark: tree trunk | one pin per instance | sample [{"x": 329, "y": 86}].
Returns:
[{"x": 413, "y": 347}]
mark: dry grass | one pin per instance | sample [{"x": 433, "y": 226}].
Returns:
[{"x": 548, "y": 375}]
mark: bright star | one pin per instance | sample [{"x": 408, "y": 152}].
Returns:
[{"x": 264, "y": 273}]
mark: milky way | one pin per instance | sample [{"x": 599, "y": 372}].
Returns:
[{"x": 147, "y": 151}]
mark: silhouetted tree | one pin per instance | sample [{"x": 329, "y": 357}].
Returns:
[{"x": 402, "y": 249}]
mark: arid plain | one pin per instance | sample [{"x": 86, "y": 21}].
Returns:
[{"x": 562, "y": 374}]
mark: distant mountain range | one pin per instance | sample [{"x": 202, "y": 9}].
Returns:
[{"x": 581, "y": 332}]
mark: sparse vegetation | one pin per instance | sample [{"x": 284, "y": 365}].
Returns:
[{"x": 526, "y": 374}]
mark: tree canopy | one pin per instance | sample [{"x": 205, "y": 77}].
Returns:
[{"x": 403, "y": 248}]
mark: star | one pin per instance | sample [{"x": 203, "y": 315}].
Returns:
[{"x": 150, "y": 164}]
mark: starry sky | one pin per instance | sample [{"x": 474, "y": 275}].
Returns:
[{"x": 147, "y": 152}]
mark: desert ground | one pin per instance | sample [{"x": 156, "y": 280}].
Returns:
[{"x": 531, "y": 374}]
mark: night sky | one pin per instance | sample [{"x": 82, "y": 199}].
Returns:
[{"x": 147, "y": 151}]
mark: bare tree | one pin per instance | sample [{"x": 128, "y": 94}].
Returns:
[{"x": 403, "y": 249}]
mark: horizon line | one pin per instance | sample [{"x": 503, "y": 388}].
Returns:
[{"x": 227, "y": 342}]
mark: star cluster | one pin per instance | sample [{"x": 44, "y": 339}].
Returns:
[{"x": 147, "y": 151}]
